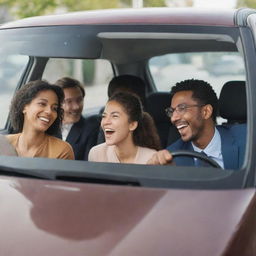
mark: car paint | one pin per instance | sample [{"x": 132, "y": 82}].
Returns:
[
  {"x": 62, "y": 218},
  {"x": 218, "y": 17}
]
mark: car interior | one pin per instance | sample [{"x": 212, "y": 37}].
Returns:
[{"x": 161, "y": 57}]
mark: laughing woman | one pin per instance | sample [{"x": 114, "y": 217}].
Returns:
[
  {"x": 130, "y": 133},
  {"x": 36, "y": 115}
]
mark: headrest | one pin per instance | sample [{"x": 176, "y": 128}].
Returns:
[
  {"x": 156, "y": 104},
  {"x": 232, "y": 102}
]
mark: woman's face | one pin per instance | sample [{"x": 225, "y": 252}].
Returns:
[
  {"x": 41, "y": 112},
  {"x": 115, "y": 124}
]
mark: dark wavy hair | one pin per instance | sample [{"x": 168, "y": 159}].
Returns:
[
  {"x": 145, "y": 135},
  {"x": 25, "y": 95},
  {"x": 202, "y": 92}
]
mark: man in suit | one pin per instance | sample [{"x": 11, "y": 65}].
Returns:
[
  {"x": 80, "y": 132},
  {"x": 194, "y": 108}
]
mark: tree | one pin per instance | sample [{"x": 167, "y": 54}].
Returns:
[
  {"x": 246, "y": 3},
  {"x": 28, "y": 8}
]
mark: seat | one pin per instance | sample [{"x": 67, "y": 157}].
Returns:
[
  {"x": 232, "y": 102},
  {"x": 156, "y": 104}
]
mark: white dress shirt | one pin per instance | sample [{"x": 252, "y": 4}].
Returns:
[
  {"x": 213, "y": 149},
  {"x": 65, "y": 130}
]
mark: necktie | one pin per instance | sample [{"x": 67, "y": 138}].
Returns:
[{"x": 199, "y": 162}]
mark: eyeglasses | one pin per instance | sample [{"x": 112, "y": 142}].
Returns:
[{"x": 180, "y": 109}]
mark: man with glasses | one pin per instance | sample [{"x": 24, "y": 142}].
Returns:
[
  {"x": 80, "y": 132},
  {"x": 193, "y": 111}
]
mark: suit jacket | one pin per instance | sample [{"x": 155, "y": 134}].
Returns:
[
  {"x": 83, "y": 136},
  {"x": 233, "y": 140}
]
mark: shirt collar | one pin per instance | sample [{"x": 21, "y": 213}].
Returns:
[{"x": 213, "y": 149}]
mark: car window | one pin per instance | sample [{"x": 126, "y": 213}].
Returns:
[
  {"x": 11, "y": 69},
  {"x": 214, "y": 67},
  {"x": 94, "y": 74}
]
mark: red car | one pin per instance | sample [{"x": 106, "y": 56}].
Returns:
[{"x": 70, "y": 207}]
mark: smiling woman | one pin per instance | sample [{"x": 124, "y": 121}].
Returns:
[
  {"x": 35, "y": 115},
  {"x": 130, "y": 133}
]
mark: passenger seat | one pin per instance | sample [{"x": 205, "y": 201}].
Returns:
[{"x": 232, "y": 102}]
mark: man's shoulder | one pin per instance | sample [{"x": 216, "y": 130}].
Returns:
[
  {"x": 235, "y": 134},
  {"x": 235, "y": 129},
  {"x": 178, "y": 144}
]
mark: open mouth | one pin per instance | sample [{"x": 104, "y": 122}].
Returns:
[
  {"x": 181, "y": 125},
  {"x": 44, "y": 119},
  {"x": 108, "y": 131}
]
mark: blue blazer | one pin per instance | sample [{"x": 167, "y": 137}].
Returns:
[
  {"x": 233, "y": 140},
  {"x": 83, "y": 136}
]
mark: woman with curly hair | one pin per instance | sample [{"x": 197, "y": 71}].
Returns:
[
  {"x": 36, "y": 116},
  {"x": 130, "y": 133}
]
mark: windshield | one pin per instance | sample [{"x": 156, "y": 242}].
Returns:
[{"x": 91, "y": 58}]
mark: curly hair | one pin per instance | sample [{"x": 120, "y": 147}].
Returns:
[
  {"x": 145, "y": 135},
  {"x": 202, "y": 92},
  {"x": 25, "y": 95}
]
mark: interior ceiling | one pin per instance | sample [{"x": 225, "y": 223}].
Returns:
[{"x": 122, "y": 51}]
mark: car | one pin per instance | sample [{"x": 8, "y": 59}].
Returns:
[{"x": 71, "y": 207}]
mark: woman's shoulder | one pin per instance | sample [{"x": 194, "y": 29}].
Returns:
[
  {"x": 57, "y": 141},
  {"x": 144, "y": 154},
  {"x": 7, "y": 145},
  {"x": 147, "y": 150},
  {"x": 99, "y": 147},
  {"x": 99, "y": 152},
  {"x": 12, "y": 137},
  {"x": 60, "y": 148}
]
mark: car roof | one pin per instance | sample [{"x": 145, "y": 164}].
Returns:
[{"x": 175, "y": 16}]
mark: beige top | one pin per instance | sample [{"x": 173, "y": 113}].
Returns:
[
  {"x": 105, "y": 153},
  {"x": 52, "y": 147}
]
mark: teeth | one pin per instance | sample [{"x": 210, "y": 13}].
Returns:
[
  {"x": 44, "y": 119},
  {"x": 181, "y": 126},
  {"x": 108, "y": 130}
]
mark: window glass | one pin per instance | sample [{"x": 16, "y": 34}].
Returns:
[
  {"x": 94, "y": 74},
  {"x": 213, "y": 67},
  {"x": 11, "y": 68}
]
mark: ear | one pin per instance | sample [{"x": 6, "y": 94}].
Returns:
[
  {"x": 207, "y": 111},
  {"x": 24, "y": 110},
  {"x": 133, "y": 125}
]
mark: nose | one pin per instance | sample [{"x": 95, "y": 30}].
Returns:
[
  {"x": 75, "y": 105},
  {"x": 48, "y": 109},
  {"x": 105, "y": 120},
  {"x": 175, "y": 116}
]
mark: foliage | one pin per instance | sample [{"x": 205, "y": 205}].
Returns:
[
  {"x": 246, "y": 3},
  {"x": 28, "y": 8},
  {"x": 154, "y": 3},
  {"x": 78, "y": 5}
]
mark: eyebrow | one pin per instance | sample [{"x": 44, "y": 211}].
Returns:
[
  {"x": 179, "y": 105},
  {"x": 43, "y": 99},
  {"x": 114, "y": 112}
]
